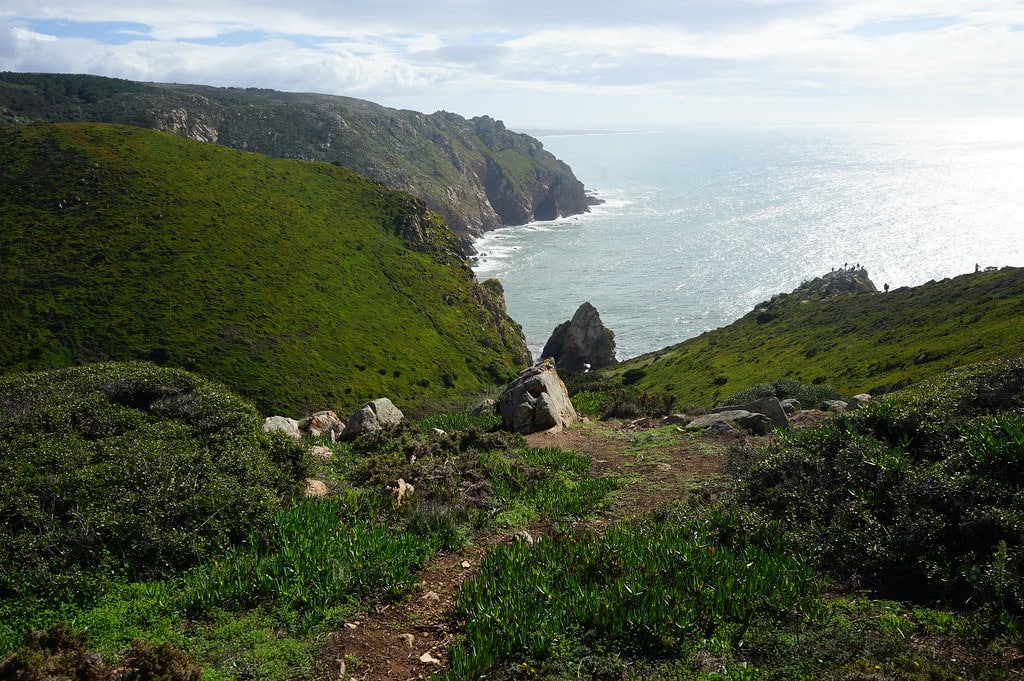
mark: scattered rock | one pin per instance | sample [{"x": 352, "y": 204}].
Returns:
[
  {"x": 373, "y": 416},
  {"x": 582, "y": 343},
  {"x": 486, "y": 407},
  {"x": 523, "y": 535},
  {"x": 834, "y": 405},
  {"x": 315, "y": 488},
  {"x": 791, "y": 405},
  {"x": 427, "y": 658},
  {"x": 678, "y": 419},
  {"x": 282, "y": 424},
  {"x": 430, "y": 596},
  {"x": 858, "y": 401},
  {"x": 756, "y": 424},
  {"x": 409, "y": 639},
  {"x": 321, "y": 453},
  {"x": 466, "y": 564},
  {"x": 401, "y": 490},
  {"x": 722, "y": 428},
  {"x": 536, "y": 400},
  {"x": 323, "y": 424},
  {"x": 769, "y": 406},
  {"x": 639, "y": 423}
]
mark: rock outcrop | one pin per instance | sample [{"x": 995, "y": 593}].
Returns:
[
  {"x": 769, "y": 406},
  {"x": 536, "y": 401},
  {"x": 371, "y": 417},
  {"x": 755, "y": 424},
  {"x": 582, "y": 343}
]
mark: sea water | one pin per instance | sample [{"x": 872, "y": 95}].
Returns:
[{"x": 697, "y": 227}]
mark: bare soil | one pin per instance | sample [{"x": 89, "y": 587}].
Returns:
[{"x": 409, "y": 640}]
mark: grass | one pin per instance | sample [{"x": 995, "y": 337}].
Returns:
[
  {"x": 869, "y": 342},
  {"x": 300, "y": 285},
  {"x": 256, "y": 602}
]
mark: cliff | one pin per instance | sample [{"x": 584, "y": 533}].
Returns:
[{"x": 474, "y": 172}]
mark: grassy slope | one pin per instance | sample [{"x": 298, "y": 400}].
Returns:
[
  {"x": 855, "y": 343},
  {"x": 283, "y": 279}
]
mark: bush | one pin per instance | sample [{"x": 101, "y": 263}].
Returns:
[
  {"x": 917, "y": 495},
  {"x": 130, "y": 470},
  {"x": 59, "y": 653},
  {"x": 810, "y": 396},
  {"x": 629, "y": 404}
]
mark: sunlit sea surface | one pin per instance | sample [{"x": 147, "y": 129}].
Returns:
[{"x": 698, "y": 227}]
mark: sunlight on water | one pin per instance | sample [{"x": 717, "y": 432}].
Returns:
[{"x": 699, "y": 227}]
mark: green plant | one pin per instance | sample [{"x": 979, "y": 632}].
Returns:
[
  {"x": 128, "y": 470},
  {"x": 916, "y": 496}
]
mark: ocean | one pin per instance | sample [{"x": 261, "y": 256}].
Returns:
[{"x": 699, "y": 226}]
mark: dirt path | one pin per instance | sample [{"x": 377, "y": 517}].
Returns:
[{"x": 409, "y": 640}]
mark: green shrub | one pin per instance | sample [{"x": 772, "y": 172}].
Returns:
[
  {"x": 917, "y": 495},
  {"x": 631, "y": 404},
  {"x": 129, "y": 470},
  {"x": 809, "y": 396},
  {"x": 59, "y": 653}
]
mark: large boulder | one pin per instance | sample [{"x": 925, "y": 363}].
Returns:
[
  {"x": 769, "y": 406},
  {"x": 282, "y": 424},
  {"x": 536, "y": 400},
  {"x": 756, "y": 424},
  {"x": 323, "y": 424},
  {"x": 373, "y": 416},
  {"x": 581, "y": 343}
]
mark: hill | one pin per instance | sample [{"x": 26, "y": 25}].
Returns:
[
  {"x": 855, "y": 342},
  {"x": 300, "y": 285},
  {"x": 475, "y": 173}
]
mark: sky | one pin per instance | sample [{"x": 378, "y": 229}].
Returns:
[{"x": 558, "y": 64}]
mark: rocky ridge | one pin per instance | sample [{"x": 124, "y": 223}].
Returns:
[{"x": 474, "y": 172}]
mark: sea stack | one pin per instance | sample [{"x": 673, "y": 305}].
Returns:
[{"x": 582, "y": 343}]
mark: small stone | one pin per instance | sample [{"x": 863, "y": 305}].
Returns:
[
  {"x": 664, "y": 467},
  {"x": 466, "y": 564},
  {"x": 523, "y": 535},
  {"x": 427, "y": 658},
  {"x": 430, "y": 596},
  {"x": 321, "y": 453},
  {"x": 408, "y": 638},
  {"x": 351, "y": 625},
  {"x": 316, "y": 489}
]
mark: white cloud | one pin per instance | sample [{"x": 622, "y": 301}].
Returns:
[{"x": 646, "y": 60}]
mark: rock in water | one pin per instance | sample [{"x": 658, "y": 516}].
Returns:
[
  {"x": 536, "y": 400},
  {"x": 373, "y": 416},
  {"x": 581, "y": 343}
]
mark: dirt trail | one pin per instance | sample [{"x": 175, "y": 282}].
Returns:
[{"x": 409, "y": 640}]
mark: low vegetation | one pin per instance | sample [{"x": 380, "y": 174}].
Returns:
[
  {"x": 854, "y": 343},
  {"x": 300, "y": 285},
  {"x": 145, "y": 504}
]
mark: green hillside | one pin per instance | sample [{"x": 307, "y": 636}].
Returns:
[
  {"x": 865, "y": 342},
  {"x": 474, "y": 172},
  {"x": 301, "y": 285}
]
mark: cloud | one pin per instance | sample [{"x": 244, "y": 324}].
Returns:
[{"x": 555, "y": 59}]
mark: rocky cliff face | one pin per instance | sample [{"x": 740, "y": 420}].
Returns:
[{"x": 475, "y": 173}]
